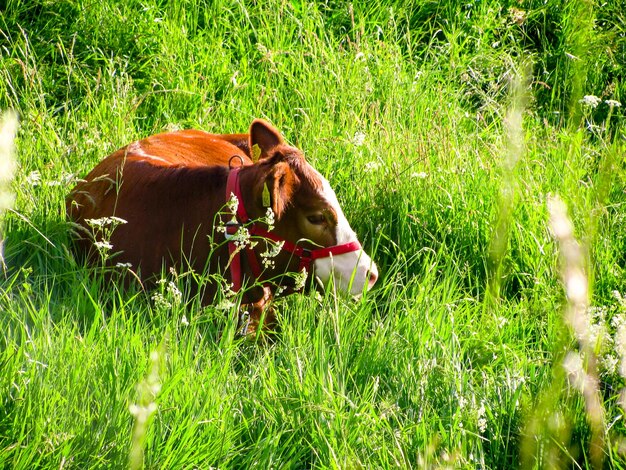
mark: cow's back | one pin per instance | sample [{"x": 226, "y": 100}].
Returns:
[
  {"x": 189, "y": 147},
  {"x": 168, "y": 186}
]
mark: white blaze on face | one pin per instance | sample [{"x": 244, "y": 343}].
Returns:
[{"x": 353, "y": 271}]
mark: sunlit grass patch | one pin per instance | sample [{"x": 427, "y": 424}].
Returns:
[{"x": 455, "y": 359}]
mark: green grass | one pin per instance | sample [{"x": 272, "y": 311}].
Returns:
[{"x": 454, "y": 359}]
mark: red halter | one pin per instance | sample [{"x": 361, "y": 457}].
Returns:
[{"x": 241, "y": 219}]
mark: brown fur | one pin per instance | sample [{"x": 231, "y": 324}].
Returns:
[{"x": 170, "y": 188}]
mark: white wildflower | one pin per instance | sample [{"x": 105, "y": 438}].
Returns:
[
  {"x": 371, "y": 166},
  {"x": 103, "y": 245},
  {"x": 598, "y": 313},
  {"x": 33, "y": 178},
  {"x": 619, "y": 321},
  {"x": 300, "y": 279},
  {"x": 591, "y": 101},
  {"x": 269, "y": 219},
  {"x": 105, "y": 222},
  {"x": 116, "y": 220},
  {"x": 242, "y": 238},
  {"x": 225, "y": 304},
  {"x": 228, "y": 290},
  {"x": 96, "y": 222},
  {"x": 609, "y": 363},
  {"x": 160, "y": 302},
  {"x": 104, "y": 226},
  {"x": 419, "y": 175},
  {"x": 358, "y": 139},
  {"x": 462, "y": 402},
  {"x": 174, "y": 293},
  {"x": 613, "y": 103},
  {"x": 184, "y": 321},
  {"x": 596, "y": 333},
  {"x": 482, "y": 421},
  {"x": 233, "y": 203},
  {"x": 273, "y": 250}
]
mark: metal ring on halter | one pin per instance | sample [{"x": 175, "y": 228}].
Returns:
[{"x": 230, "y": 161}]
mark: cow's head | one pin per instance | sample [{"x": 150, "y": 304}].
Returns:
[{"x": 306, "y": 209}]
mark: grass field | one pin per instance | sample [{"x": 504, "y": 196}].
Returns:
[{"x": 476, "y": 147}]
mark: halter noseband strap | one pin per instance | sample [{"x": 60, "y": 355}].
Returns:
[{"x": 241, "y": 219}]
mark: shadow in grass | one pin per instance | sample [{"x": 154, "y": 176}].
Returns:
[{"x": 44, "y": 276}]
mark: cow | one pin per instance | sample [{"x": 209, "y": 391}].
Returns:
[{"x": 246, "y": 206}]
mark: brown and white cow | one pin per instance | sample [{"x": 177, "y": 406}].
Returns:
[{"x": 172, "y": 190}]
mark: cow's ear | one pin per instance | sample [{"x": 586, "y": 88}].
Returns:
[
  {"x": 280, "y": 184},
  {"x": 264, "y": 136}
]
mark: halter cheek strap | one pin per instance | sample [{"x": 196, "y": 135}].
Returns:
[{"x": 241, "y": 219}]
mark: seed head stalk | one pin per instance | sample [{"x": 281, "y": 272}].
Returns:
[
  {"x": 513, "y": 152},
  {"x": 8, "y": 129},
  {"x": 581, "y": 366}
]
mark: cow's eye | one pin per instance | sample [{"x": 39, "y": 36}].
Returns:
[{"x": 316, "y": 219}]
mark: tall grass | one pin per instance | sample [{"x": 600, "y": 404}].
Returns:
[{"x": 443, "y": 167}]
